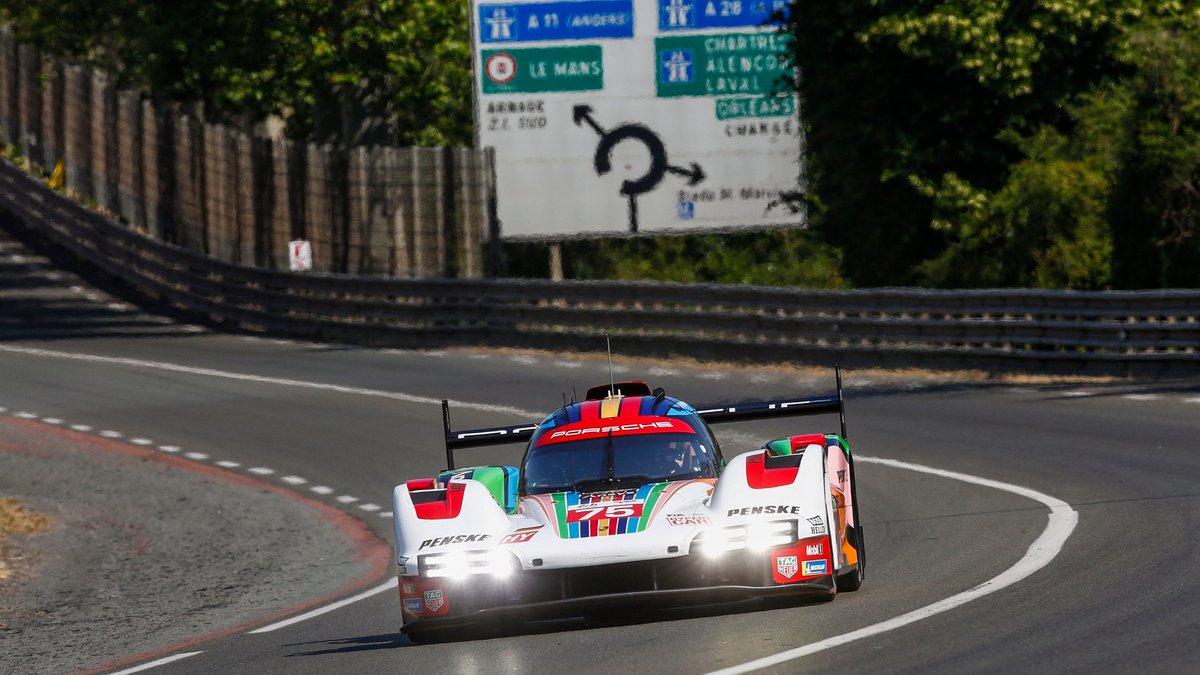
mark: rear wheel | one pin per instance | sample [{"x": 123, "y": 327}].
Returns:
[{"x": 852, "y": 578}]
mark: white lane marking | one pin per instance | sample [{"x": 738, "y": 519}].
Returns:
[
  {"x": 1061, "y": 523},
  {"x": 369, "y": 507},
  {"x": 261, "y": 470},
  {"x": 3, "y": 410},
  {"x": 657, "y": 371},
  {"x": 51, "y": 420},
  {"x": 523, "y": 359},
  {"x": 386, "y": 586},
  {"x": 568, "y": 364},
  {"x": 209, "y": 372},
  {"x": 385, "y": 514},
  {"x": 713, "y": 375},
  {"x": 228, "y": 464},
  {"x": 155, "y": 664},
  {"x": 81, "y": 427},
  {"x": 109, "y": 433},
  {"x": 198, "y": 456},
  {"x": 169, "y": 448},
  {"x": 27, "y": 415},
  {"x": 321, "y": 489},
  {"x": 436, "y": 354},
  {"x": 1186, "y": 400},
  {"x": 1077, "y": 394},
  {"x": 1141, "y": 397},
  {"x": 141, "y": 441},
  {"x": 346, "y": 499},
  {"x": 294, "y": 480}
]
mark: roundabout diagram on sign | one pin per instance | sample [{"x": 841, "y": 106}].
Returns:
[{"x": 659, "y": 165}]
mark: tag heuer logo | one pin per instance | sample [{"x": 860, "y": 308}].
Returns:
[
  {"x": 787, "y": 565},
  {"x": 434, "y": 600}
]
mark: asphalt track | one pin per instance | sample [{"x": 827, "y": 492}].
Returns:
[{"x": 1120, "y": 596}]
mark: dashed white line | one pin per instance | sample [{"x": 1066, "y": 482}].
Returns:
[
  {"x": 568, "y": 364},
  {"x": 155, "y": 664},
  {"x": 1192, "y": 400},
  {"x": 294, "y": 480},
  {"x": 228, "y": 464},
  {"x": 3, "y": 410},
  {"x": 109, "y": 433},
  {"x": 523, "y": 359},
  {"x": 1078, "y": 394},
  {"x": 369, "y": 507},
  {"x": 27, "y": 415},
  {"x": 261, "y": 470},
  {"x": 81, "y": 427},
  {"x": 385, "y": 586},
  {"x": 385, "y": 514},
  {"x": 1141, "y": 397},
  {"x": 321, "y": 489},
  {"x": 141, "y": 441},
  {"x": 51, "y": 420},
  {"x": 169, "y": 448},
  {"x": 713, "y": 375},
  {"x": 198, "y": 456},
  {"x": 346, "y": 499}
]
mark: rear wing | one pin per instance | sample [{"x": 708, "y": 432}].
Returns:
[{"x": 732, "y": 412}]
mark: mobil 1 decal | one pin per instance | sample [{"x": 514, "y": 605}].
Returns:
[{"x": 637, "y": 133}]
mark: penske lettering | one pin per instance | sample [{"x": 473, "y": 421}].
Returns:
[
  {"x": 456, "y": 539},
  {"x": 780, "y": 509}
]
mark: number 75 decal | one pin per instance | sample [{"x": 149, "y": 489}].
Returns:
[{"x": 589, "y": 512}]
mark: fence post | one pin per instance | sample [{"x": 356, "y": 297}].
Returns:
[
  {"x": 77, "y": 132},
  {"x": 29, "y": 99},
  {"x": 131, "y": 193},
  {"x": 52, "y": 114},
  {"x": 9, "y": 117},
  {"x": 103, "y": 143}
]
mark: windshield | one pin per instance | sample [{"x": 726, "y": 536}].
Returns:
[{"x": 611, "y": 461}]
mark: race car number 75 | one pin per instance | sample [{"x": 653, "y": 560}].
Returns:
[{"x": 579, "y": 514}]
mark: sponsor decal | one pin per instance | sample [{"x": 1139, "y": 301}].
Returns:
[
  {"x": 434, "y": 599},
  {"x": 811, "y": 567},
  {"x": 684, "y": 519},
  {"x": 818, "y": 524},
  {"x": 583, "y": 513},
  {"x": 780, "y": 509},
  {"x": 642, "y": 425},
  {"x": 520, "y": 536},
  {"x": 841, "y": 474},
  {"x": 455, "y": 539},
  {"x": 409, "y": 588},
  {"x": 787, "y": 565},
  {"x": 402, "y": 566},
  {"x": 413, "y": 605},
  {"x": 813, "y": 549}
]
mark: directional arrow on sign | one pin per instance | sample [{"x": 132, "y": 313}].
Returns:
[{"x": 659, "y": 166}]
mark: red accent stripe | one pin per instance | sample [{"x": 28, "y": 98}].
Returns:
[
  {"x": 443, "y": 509},
  {"x": 420, "y": 484},
  {"x": 631, "y": 406},
  {"x": 759, "y": 477},
  {"x": 589, "y": 410},
  {"x": 800, "y": 442}
]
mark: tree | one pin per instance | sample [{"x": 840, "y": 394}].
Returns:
[{"x": 910, "y": 106}]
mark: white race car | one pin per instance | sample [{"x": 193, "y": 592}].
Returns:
[{"x": 625, "y": 497}]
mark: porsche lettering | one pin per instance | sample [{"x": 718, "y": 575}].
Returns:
[{"x": 614, "y": 428}]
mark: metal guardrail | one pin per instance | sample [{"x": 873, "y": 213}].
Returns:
[{"x": 1123, "y": 333}]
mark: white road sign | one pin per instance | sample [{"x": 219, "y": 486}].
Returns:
[{"x": 649, "y": 116}]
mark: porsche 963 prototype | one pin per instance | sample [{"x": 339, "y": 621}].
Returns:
[{"x": 626, "y": 497}]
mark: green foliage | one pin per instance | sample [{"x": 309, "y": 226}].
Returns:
[
  {"x": 911, "y": 108},
  {"x": 351, "y": 71},
  {"x": 770, "y": 258}
]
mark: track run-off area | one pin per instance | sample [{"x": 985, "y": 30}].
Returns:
[{"x": 1011, "y": 524}]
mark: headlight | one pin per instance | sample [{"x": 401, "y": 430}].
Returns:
[
  {"x": 462, "y": 564},
  {"x": 756, "y": 537}
]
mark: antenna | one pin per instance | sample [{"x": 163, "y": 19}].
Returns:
[{"x": 612, "y": 385}]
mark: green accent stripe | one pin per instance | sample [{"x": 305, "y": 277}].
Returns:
[
  {"x": 648, "y": 507},
  {"x": 559, "y": 499}
]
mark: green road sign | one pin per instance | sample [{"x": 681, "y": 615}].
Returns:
[
  {"x": 721, "y": 64},
  {"x": 537, "y": 70}
]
